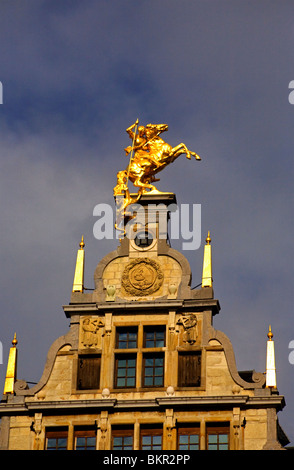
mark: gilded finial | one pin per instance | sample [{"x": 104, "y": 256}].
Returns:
[
  {"x": 207, "y": 265},
  {"x": 82, "y": 244},
  {"x": 11, "y": 368},
  {"x": 14, "y": 341},
  {"x": 271, "y": 379},
  {"x": 78, "y": 282}
]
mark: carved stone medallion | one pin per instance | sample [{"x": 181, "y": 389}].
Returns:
[{"x": 142, "y": 276}]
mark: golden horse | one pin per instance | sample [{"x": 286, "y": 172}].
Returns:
[{"x": 150, "y": 154}]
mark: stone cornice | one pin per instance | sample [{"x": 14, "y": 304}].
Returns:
[
  {"x": 272, "y": 401},
  {"x": 201, "y": 304}
]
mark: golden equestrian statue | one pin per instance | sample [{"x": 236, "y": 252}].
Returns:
[{"x": 149, "y": 154}]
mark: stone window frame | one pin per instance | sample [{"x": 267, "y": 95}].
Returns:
[
  {"x": 57, "y": 434},
  {"x": 124, "y": 432},
  {"x": 140, "y": 352},
  {"x": 86, "y": 432},
  {"x": 217, "y": 429},
  {"x": 188, "y": 430},
  {"x": 152, "y": 431}
]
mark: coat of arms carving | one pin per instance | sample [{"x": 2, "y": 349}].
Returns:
[{"x": 142, "y": 276}]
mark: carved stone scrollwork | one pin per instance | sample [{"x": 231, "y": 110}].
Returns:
[
  {"x": 142, "y": 276},
  {"x": 20, "y": 385},
  {"x": 258, "y": 378}
]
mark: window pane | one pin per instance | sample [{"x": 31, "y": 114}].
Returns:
[
  {"x": 158, "y": 361},
  {"x": 212, "y": 447},
  {"x": 151, "y": 438},
  {"x": 91, "y": 442},
  {"x": 130, "y": 382},
  {"x": 223, "y": 447},
  {"x": 81, "y": 441},
  {"x": 128, "y": 441},
  {"x": 158, "y": 381},
  {"x": 56, "y": 439},
  {"x": 126, "y": 338},
  {"x": 57, "y": 444},
  {"x": 85, "y": 443},
  {"x": 151, "y": 442},
  {"x": 194, "y": 447},
  {"x": 149, "y": 361},
  {"x": 122, "y": 439},
  {"x": 148, "y": 381},
  {"x": 154, "y": 336},
  {"x": 188, "y": 437},
  {"x": 147, "y": 440},
  {"x": 218, "y": 437},
  {"x": 125, "y": 371},
  {"x": 51, "y": 444},
  {"x": 85, "y": 438},
  {"x": 157, "y": 440},
  {"x": 153, "y": 373},
  {"x": 117, "y": 441}
]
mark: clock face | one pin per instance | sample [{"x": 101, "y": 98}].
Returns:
[{"x": 143, "y": 239}]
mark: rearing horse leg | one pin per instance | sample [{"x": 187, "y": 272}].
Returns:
[{"x": 182, "y": 148}]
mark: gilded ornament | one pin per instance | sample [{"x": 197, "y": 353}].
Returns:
[{"x": 148, "y": 155}]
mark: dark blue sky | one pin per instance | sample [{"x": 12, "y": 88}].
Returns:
[{"x": 75, "y": 75}]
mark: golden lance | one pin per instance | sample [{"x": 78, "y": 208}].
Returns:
[{"x": 131, "y": 156}]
